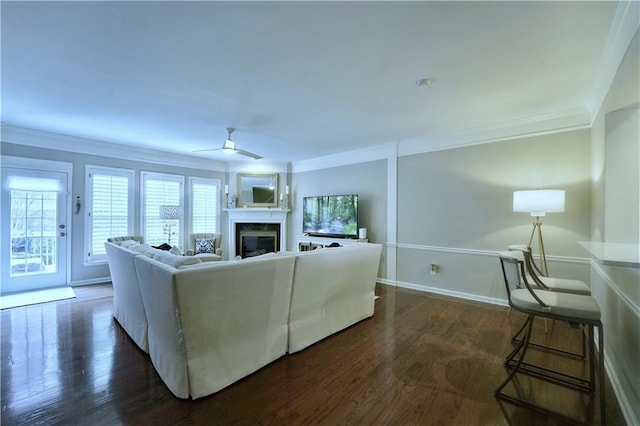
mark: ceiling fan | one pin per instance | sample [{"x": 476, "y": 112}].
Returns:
[{"x": 229, "y": 147}]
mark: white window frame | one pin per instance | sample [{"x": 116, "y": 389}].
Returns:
[
  {"x": 204, "y": 181},
  {"x": 89, "y": 258},
  {"x": 144, "y": 176}
]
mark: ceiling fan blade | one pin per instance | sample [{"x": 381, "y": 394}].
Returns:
[
  {"x": 208, "y": 149},
  {"x": 248, "y": 154},
  {"x": 229, "y": 147}
]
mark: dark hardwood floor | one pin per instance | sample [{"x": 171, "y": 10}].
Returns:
[{"x": 421, "y": 360}]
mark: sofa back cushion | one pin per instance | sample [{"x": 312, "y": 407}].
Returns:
[
  {"x": 118, "y": 240},
  {"x": 173, "y": 260},
  {"x": 128, "y": 243},
  {"x": 165, "y": 257}
]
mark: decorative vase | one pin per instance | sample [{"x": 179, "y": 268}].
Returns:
[{"x": 231, "y": 201}]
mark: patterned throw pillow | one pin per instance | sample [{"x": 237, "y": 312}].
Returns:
[{"x": 205, "y": 245}]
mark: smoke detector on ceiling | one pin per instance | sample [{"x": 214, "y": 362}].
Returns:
[{"x": 423, "y": 82}]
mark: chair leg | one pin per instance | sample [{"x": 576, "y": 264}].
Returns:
[
  {"x": 548, "y": 374},
  {"x": 583, "y": 355},
  {"x": 528, "y": 324},
  {"x": 515, "y": 339},
  {"x": 524, "y": 344}
]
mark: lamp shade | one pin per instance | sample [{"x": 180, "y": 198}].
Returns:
[
  {"x": 169, "y": 212},
  {"x": 538, "y": 202}
]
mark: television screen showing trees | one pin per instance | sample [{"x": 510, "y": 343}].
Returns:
[{"x": 331, "y": 215}]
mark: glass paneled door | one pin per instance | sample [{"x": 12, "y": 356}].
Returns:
[{"x": 34, "y": 229}]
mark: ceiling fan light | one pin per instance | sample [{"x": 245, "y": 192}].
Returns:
[{"x": 229, "y": 147}]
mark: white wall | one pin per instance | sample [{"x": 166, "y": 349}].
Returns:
[
  {"x": 615, "y": 219},
  {"x": 455, "y": 210},
  {"x": 368, "y": 180}
]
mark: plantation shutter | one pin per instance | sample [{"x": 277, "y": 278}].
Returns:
[
  {"x": 109, "y": 214},
  {"x": 204, "y": 207},
  {"x": 160, "y": 192}
]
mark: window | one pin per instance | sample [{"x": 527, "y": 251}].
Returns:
[
  {"x": 162, "y": 208},
  {"x": 204, "y": 204},
  {"x": 109, "y": 207}
]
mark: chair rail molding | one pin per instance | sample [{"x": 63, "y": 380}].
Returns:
[{"x": 563, "y": 259}]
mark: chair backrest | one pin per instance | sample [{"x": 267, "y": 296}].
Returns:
[
  {"x": 205, "y": 235},
  {"x": 530, "y": 266},
  {"x": 138, "y": 238},
  {"x": 512, "y": 263}
]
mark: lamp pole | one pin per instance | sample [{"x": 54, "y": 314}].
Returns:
[{"x": 537, "y": 229}]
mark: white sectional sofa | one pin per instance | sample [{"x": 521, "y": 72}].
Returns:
[
  {"x": 127, "y": 302},
  {"x": 211, "y": 324},
  {"x": 333, "y": 288},
  {"x": 128, "y": 309}
]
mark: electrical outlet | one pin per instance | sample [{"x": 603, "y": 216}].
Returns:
[{"x": 434, "y": 269}]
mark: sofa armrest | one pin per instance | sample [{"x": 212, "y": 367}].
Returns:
[{"x": 219, "y": 252}]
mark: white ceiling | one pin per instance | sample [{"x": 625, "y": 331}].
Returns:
[{"x": 298, "y": 80}]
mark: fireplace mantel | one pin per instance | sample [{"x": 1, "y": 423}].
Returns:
[{"x": 255, "y": 215}]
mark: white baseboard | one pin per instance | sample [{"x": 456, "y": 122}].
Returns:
[
  {"x": 623, "y": 401},
  {"x": 444, "y": 292},
  {"x": 90, "y": 281}
]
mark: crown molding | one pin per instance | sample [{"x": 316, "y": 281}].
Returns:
[
  {"x": 258, "y": 167},
  {"x": 50, "y": 140},
  {"x": 553, "y": 122},
  {"x": 623, "y": 28},
  {"x": 374, "y": 153}
]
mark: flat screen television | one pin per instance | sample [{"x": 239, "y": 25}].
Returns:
[{"x": 330, "y": 216}]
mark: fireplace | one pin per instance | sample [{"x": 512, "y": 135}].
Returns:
[
  {"x": 263, "y": 230},
  {"x": 254, "y": 239}
]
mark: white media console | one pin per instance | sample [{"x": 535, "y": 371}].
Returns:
[{"x": 308, "y": 242}]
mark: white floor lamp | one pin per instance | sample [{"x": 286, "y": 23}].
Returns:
[{"x": 538, "y": 203}]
